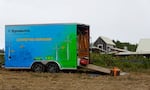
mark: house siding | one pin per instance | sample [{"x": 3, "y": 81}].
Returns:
[
  {"x": 100, "y": 41},
  {"x": 106, "y": 46}
]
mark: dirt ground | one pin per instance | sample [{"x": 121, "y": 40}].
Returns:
[{"x": 27, "y": 80}]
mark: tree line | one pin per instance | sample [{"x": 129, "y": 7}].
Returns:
[{"x": 122, "y": 45}]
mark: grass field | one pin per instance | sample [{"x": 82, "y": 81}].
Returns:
[
  {"x": 137, "y": 79},
  {"x": 27, "y": 80}
]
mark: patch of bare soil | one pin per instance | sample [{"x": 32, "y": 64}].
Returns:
[{"x": 27, "y": 80}]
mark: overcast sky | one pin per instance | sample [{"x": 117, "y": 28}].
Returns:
[{"x": 124, "y": 20}]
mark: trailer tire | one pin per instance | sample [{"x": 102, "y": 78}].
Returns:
[
  {"x": 38, "y": 67},
  {"x": 52, "y": 68}
]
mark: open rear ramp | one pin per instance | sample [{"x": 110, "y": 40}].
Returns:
[{"x": 97, "y": 68}]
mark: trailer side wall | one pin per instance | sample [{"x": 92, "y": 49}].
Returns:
[{"x": 26, "y": 44}]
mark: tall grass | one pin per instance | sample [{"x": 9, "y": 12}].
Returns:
[{"x": 128, "y": 63}]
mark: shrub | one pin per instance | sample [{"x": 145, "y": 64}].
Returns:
[
  {"x": 128, "y": 63},
  {"x": 1, "y": 60}
]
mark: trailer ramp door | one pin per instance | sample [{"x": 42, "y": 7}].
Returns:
[{"x": 97, "y": 68}]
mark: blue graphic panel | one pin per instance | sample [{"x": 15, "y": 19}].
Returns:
[{"x": 28, "y": 43}]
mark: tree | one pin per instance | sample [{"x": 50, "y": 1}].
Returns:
[{"x": 122, "y": 45}]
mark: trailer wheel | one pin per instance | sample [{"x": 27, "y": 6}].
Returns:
[
  {"x": 52, "y": 68},
  {"x": 38, "y": 67}
]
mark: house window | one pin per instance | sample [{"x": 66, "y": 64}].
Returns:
[
  {"x": 108, "y": 48},
  {"x": 100, "y": 46}
]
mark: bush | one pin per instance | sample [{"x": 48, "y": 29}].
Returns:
[
  {"x": 1, "y": 60},
  {"x": 128, "y": 63}
]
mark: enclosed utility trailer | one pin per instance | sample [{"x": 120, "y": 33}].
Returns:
[{"x": 50, "y": 47}]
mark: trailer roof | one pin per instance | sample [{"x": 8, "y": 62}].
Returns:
[{"x": 49, "y": 24}]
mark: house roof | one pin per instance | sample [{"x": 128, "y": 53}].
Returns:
[
  {"x": 118, "y": 49},
  {"x": 132, "y": 53},
  {"x": 96, "y": 48},
  {"x": 107, "y": 40},
  {"x": 143, "y": 46}
]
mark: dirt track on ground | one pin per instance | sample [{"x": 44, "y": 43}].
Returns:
[{"x": 26, "y": 80}]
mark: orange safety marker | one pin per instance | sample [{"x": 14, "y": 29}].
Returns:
[{"x": 115, "y": 71}]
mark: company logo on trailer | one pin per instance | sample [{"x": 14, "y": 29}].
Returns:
[{"x": 16, "y": 31}]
